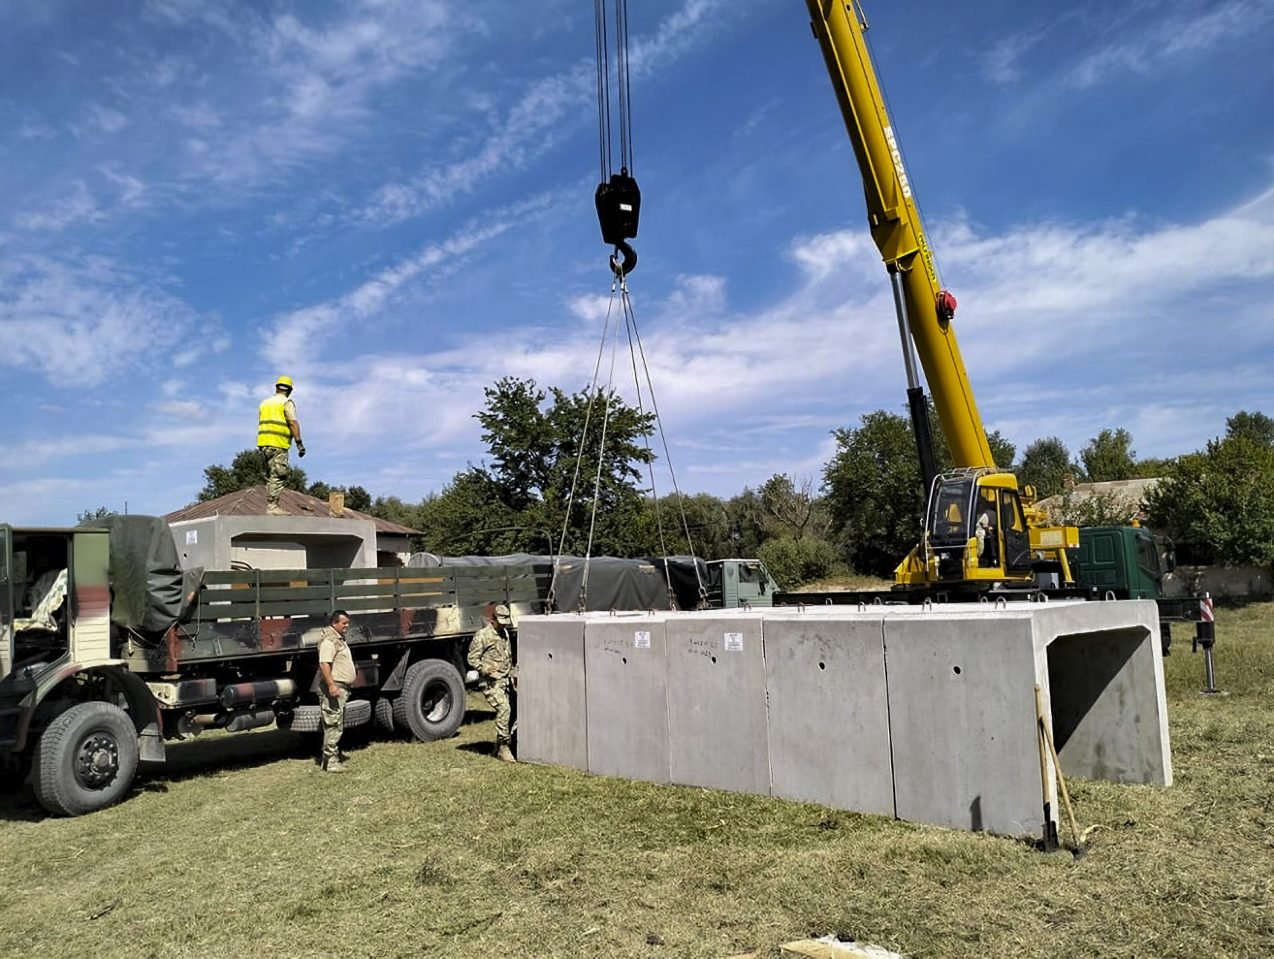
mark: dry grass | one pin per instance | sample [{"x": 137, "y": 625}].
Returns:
[{"x": 244, "y": 849}]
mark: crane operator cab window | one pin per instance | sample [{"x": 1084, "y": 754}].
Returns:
[
  {"x": 986, "y": 527},
  {"x": 950, "y": 507}
]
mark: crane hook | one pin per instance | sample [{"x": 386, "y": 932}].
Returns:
[{"x": 622, "y": 269}]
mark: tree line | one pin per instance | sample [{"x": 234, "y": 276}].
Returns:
[{"x": 547, "y": 484}]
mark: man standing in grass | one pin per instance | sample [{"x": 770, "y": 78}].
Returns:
[
  {"x": 491, "y": 654},
  {"x": 336, "y": 676}
]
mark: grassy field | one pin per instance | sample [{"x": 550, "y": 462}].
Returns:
[{"x": 242, "y": 848}]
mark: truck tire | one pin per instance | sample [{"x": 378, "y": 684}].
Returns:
[
  {"x": 384, "y": 710},
  {"x": 309, "y": 719},
  {"x": 431, "y": 704},
  {"x": 85, "y": 760}
]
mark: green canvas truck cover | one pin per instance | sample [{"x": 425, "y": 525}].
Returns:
[{"x": 150, "y": 590}]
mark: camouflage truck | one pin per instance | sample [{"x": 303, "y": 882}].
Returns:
[{"x": 109, "y": 650}]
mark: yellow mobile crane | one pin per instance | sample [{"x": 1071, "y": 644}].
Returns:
[{"x": 980, "y": 532}]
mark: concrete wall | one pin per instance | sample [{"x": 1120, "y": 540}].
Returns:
[
  {"x": 212, "y": 542},
  {"x": 927, "y": 714},
  {"x": 1221, "y": 582}
]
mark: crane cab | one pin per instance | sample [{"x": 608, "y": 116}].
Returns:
[{"x": 980, "y": 532}]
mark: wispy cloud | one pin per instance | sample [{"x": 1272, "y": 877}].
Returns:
[
  {"x": 1186, "y": 34},
  {"x": 539, "y": 119},
  {"x": 297, "y": 335},
  {"x": 75, "y": 206},
  {"x": 85, "y": 322}
]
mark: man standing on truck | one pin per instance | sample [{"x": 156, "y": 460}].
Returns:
[
  {"x": 336, "y": 676},
  {"x": 277, "y": 426},
  {"x": 491, "y": 654}
]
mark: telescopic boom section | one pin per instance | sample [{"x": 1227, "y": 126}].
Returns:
[{"x": 896, "y": 227}]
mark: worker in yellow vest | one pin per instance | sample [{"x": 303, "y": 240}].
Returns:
[{"x": 277, "y": 426}]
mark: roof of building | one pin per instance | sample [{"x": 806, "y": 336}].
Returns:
[{"x": 252, "y": 502}]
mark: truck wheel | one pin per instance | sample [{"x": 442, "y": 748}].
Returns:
[
  {"x": 385, "y": 715},
  {"x": 431, "y": 704},
  {"x": 85, "y": 760}
]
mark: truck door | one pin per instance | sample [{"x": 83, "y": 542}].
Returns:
[{"x": 1017, "y": 545}]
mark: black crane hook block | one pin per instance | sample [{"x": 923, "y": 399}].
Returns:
[{"x": 618, "y": 207}]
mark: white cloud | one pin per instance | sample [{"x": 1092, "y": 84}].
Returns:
[
  {"x": 82, "y": 323},
  {"x": 75, "y": 206},
  {"x": 539, "y": 119},
  {"x": 1151, "y": 46}
]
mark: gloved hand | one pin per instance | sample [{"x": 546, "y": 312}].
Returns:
[{"x": 300, "y": 450}]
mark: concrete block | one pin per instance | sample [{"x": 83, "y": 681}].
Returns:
[
  {"x": 1104, "y": 678},
  {"x": 828, "y": 710},
  {"x": 962, "y": 720},
  {"x": 626, "y": 669},
  {"x": 717, "y": 725},
  {"x": 551, "y": 707}
]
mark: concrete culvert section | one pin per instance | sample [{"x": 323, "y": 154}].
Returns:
[{"x": 923, "y": 713}]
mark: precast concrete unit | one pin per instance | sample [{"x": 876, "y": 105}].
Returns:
[
  {"x": 626, "y": 676},
  {"x": 552, "y": 720},
  {"x": 926, "y": 713}
]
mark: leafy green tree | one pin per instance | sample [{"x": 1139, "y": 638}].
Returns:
[
  {"x": 246, "y": 470},
  {"x": 1109, "y": 456},
  {"x": 795, "y": 561},
  {"x": 1254, "y": 426},
  {"x": 1001, "y": 449},
  {"x": 91, "y": 517},
  {"x": 1218, "y": 504},
  {"x": 581, "y": 455},
  {"x": 1152, "y": 467},
  {"x": 1103, "y": 509},
  {"x": 873, "y": 492},
  {"x": 356, "y": 498},
  {"x": 1045, "y": 465}
]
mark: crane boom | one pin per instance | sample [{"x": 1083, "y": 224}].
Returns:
[{"x": 897, "y": 230}]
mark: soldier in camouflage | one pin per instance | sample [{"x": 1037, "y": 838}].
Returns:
[{"x": 491, "y": 654}]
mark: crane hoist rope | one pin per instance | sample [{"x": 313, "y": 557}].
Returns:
[
  {"x": 618, "y": 198},
  {"x": 606, "y": 392}
]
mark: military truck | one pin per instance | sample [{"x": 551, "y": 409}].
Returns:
[
  {"x": 109, "y": 650},
  {"x": 1126, "y": 562},
  {"x": 573, "y": 583}
]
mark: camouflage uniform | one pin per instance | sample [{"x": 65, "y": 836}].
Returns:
[
  {"x": 491, "y": 655},
  {"x": 334, "y": 650}
]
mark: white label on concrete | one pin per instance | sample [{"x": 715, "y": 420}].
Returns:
[
  {"x": 192, "y": 536},
  {"x": 641, "y": 639},
  {"x": 734, "y": 642}
]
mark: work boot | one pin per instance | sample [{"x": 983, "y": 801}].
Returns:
[
  {"x": 333, "y": 765},
  {"x": 505, "y": 754}
]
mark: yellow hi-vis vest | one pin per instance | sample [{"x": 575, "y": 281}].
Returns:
[{"x": 272, "y": 425}]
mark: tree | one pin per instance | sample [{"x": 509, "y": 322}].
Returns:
[
  {"x": 246, "y": 470},
  {"x": 1046, "y": 465},
  {"x": 1218, "y": 504},
  {"x": 796, "y": 561},
  {"x": 1001, "y": 449},
  {"x": 1254, "y": 426},
  {"x": 92, "y": 517},
  {"x": 873, "y": 492},
  {"x": 1109, "y": 456},
  {"x": 793, "y": 508}
]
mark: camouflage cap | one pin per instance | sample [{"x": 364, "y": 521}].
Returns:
[{"x": 502, "y": 615}]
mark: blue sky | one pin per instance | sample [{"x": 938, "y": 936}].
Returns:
[{"x": 392, "y": 203}]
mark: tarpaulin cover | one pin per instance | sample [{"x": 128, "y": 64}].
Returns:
[
  {"x": 613, "y": 582},
  {"x": 150, "y": 589}
]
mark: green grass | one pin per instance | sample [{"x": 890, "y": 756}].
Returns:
[{"x": 242, "y": 848}]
